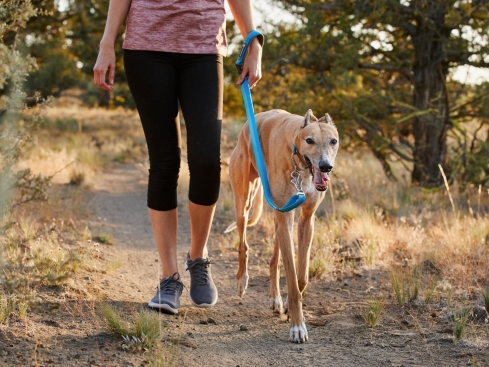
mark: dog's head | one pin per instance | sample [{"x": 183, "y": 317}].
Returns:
[{"x": 318, "y": 142}]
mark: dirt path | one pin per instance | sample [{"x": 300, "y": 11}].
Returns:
[{"x": 338, "y": 335}]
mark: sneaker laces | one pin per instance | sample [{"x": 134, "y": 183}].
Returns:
[
  {"x": 170, "y": 285},
  {"x": 200, "y": 272}
]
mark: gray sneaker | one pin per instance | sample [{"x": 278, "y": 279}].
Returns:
[
  {"x": 203, "y": 291},
  {"x": 167, "y": 297}
]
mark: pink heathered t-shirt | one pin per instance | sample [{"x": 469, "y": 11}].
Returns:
[{"x": 182, "y": 26}]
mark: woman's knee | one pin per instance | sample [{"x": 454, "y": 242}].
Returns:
[{"x": 205, "y": 177}]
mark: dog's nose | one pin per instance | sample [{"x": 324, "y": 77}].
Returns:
[{"x": 324, "y": 166}]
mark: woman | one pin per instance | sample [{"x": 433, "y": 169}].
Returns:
[{"x": 173, "y": 53}]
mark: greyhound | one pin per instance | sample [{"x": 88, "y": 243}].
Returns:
[{"x": 316, "y": 142}]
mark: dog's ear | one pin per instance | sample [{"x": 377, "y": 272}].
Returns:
[
  {"x": 309, "y": 116},
  {"x": 328, "y": 119}
]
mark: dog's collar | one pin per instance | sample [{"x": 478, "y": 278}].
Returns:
[{"x": 301, "y": 159}]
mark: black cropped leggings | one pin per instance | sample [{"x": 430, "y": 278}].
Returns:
[{"x": 158, "y": 81}]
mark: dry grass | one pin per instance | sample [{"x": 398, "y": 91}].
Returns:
[
  {"x": 75, "y": 143},
  {"x": 142, "y": 332},
  {"x": 373, "y": 311},
  {"x": 460, "y": 323},
  {"x": 406, "y": 284}
]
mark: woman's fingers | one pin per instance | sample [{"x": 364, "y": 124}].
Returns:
[
  {"x": 111, "y": 74},
  {"x": 105, "y": 62},
  {"x": 253, "y": 71}
]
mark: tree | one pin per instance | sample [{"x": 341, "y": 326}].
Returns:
[
  {"x": 16, "y": 126},
  {"x": 385, "y": 66}
]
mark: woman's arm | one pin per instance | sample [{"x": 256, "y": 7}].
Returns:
[
  {"x": 106, "y": 56},
  {"x": 243, "y": 16}
]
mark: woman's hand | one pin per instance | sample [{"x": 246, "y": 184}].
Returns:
[
  {"x": 252, "y": 65},
  {"x": 105, "y": 62}
]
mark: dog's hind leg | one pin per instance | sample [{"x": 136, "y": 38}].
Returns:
[
  {"x": 305, "y": 231},
  {"x": 298, "y": 330},
  {"x": 245, "y": 185},
  {"x": 276, "y": 303}
]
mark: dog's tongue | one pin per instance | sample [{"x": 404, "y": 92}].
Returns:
[{"x": 320, "y": 178}]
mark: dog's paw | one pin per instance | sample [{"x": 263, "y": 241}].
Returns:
[
  {"x": 276, "y": 305},
  {"x": 286, "y": 305},
  {"x": 242, "y": 284},
  {"x": 298, "y": 333}
]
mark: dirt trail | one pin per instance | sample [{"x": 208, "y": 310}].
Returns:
[{"x": 338, "y": 335}]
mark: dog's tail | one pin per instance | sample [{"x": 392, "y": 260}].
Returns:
[{"x": 257, "y": 209}]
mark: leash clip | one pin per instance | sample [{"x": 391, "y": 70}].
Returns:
[{"x": 296, "y": 180}]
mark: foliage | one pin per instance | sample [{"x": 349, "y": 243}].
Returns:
[
  {"x": 139, "y": 334},
  {"x": 16, "y": 125},
  {"x": 373, "y": 311},
  {"x": 459, "y": 324},
  {"x": 405, "y": 283},
  {"x": 383, "y": 70}
]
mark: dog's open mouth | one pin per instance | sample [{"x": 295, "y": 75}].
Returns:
[{"x": 320, "y": 178}]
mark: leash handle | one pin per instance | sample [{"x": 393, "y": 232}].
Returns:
[{"x": 242, "y": 55}]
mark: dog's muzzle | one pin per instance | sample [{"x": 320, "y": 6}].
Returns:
[{"x": 319, "y": 178}]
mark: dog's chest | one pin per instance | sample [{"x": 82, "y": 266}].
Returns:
[{"x": 309, "y": 188}]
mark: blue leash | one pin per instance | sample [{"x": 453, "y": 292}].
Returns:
[{"x": 298, "y": 198}]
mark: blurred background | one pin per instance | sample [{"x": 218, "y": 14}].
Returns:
[{"x": 408, "y": 80}]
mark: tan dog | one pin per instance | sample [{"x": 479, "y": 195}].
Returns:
[{"x": 317, "y": 145}]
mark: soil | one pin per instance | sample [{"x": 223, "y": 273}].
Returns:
[{"x": 236, "y": 332}]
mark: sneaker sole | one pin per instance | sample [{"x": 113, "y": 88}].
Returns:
[
  {"x": 202, "y": 305},
  {"x": 163, "y": 307}
]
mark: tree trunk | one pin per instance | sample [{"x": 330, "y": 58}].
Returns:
[{"x": 430, "y": 129}]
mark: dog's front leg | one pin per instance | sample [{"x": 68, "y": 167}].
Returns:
[
  {"x": 305, "y": 231},
  {"x": 285, "y": 223}
]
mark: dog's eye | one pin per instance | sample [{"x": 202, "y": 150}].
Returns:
[
  {"x": 333, "y": 141},
  {"x": 309, "y": 141}
]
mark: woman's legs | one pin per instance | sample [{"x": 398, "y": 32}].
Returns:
[{"x": 156, "y": 80}]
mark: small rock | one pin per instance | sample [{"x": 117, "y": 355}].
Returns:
[
  {"x": 368, "y": 344},
  {"x": 243, "y": 328},
  {"x": 405, "y": 322},
  {"x": 433, "y": 314},
  {"x": 203, "y": 322},
  {"x": 210, "y": 320},
  {"x": 77, "y": 356},
  {"x": 240, "y": 303},
  {"x": 346, "y": 285}
]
